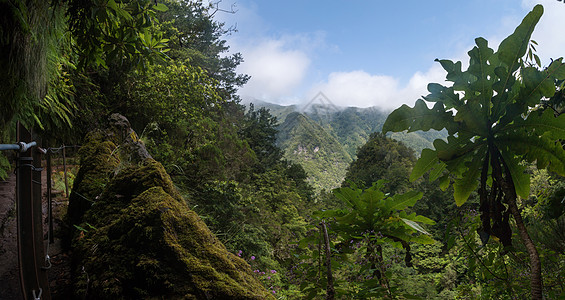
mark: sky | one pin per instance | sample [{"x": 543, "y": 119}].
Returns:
[{"x": 369, "y": 52}]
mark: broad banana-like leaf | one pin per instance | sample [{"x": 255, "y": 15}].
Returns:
[
  {"x": 539, "y": 84},
  {"x": 428, "y": 159},
  {"x": 419, "y": 118},
  {"x": 402, "y": 201},
  {"x": 541, "y": 123},
  {"x": 547, "y": 153},
  {"x": 514, "y": 47},
  {"x": 463, "y": 187},
  {"x": 422, "y": 239},
  {"x": 473, "y": 118},
  {"x": 424, "y": 220},
  {"x": 520, "y": 178},
  {"x": 416, "y": 218},
  {"x": 483, "y": 72},
  {"x": 444, "y": 182},
  {"x": 404, "y": 234}
]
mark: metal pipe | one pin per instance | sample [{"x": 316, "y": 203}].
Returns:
[
  {"x": 24, "y": 147},
  {"x": 9, "y": 147},
  {"x": 21, "y": 146}
]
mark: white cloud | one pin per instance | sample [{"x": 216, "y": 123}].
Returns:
[
  {"x": 275, "y": 69},
  {"x": 283, "y": 66},
  {"x": 361, "y": 89},
  {"x": 549, "y": 31},
  {"x": 277, "y": 63}
]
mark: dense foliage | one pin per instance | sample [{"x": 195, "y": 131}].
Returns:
[
  {"x": 326, "y": 143},
  {"x": 261, "y": 177},
  {"x": 354, "y": 238},
  {"x": 489, "y": 113},
  {"x": 382, "y": 158}
]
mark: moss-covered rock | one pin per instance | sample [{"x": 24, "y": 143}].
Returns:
[
  {"x": 141, "y": 240},
  {"x": 98, "y": 162}
]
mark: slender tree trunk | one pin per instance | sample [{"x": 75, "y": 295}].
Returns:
[
  {"x": 330, "y": 290},
  {"x": 535, "y": 263},
  {"x": 510, "y": 196}
]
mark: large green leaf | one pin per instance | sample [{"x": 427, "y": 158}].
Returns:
[
  {"x": 348, "y": 195},
  {"x": 539, "y": 84},
  {"x": 547, "y": 153},
  {"x": 460, "y": 81},
  {"x": 402, "y": 201},
  {"x": 541, "y": 123},
  {"x": 484, "y": 73},
  {"x": 422, "y": 239},
  {"x": 416, "y": 218},
  {"x": 473, "y": 118},
  {"x": 370, "y": 204},
  {"x": 161, "y": 7},
  {"x": 520, "y": 178},
  {"x": 444, "y": 182},
  {"x": 456, "y": 147},
  {"x": 463, "y": 187},
  {"x": 514, "y": 47},
  {"x": 418, "y": 118},
  {"x": 424, "y": 220},
  {"x": 445, "y": 95},
  {"x": 428, "y": 159},
  {"x": 437, "y": 171}
]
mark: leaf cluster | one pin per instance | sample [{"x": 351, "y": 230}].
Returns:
[
  {"x": 373, "y": 212},
  {"x": 113, "y": 32},
  {"x": 370, "y": 220},
  {"x": 489, "y": 113}
]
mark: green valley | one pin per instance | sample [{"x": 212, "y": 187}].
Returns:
[
  {"x": 325, "y": 139},
  {"x": 180, "y": 189}
]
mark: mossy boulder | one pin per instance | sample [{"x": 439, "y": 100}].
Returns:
[
  {"x": 140, "y": 240},
  {"x": 98, "y": 161}
]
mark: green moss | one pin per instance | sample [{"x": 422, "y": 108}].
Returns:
[
  {"x": 4, "y": 167},
  {"x": 148, "y": 244},
  {"x": 97, "y": 163}
]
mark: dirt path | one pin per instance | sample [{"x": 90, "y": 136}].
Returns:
[
  {"x": 9, "y": 271},
  {"x": 59, "y": 273}
]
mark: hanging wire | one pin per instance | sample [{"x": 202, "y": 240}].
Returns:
[
  {"x": 38, "y": 297},
  {"x": 47, "y": 257},
  {"x": 48, "y": 263},
  {"x": 56, "y": 150}
]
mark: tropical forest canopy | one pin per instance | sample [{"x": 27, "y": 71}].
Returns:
[{"x": 477, "y": 214}]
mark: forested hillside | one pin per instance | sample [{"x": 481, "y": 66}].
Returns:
[
  {"x": 325, "y": 141},
  {"x": 183, "y": 192}
]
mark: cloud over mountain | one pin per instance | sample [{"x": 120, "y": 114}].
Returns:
[
  {"x": 274, "y": 69},
  {"x": 361, "y": 89}
]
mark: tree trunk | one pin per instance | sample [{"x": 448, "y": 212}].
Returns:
[
  {"x": 535, "y": 263},
  {"x": 510, "y": 198},
  {"x": 330, "y": 290}
]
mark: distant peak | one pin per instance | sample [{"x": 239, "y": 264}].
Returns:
[{"x": 320, "y": 102}]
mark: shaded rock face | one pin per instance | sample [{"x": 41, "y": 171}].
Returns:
[{"x": 137, "y": 238}]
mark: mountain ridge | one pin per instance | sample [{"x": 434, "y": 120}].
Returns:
[{"x": 324, "y": 138}]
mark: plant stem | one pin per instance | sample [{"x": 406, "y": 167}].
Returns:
[
  {"x": 535, "y": 263},
  {"x": 330, "y": 291},
  {"x": 536, "y": 282}
]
